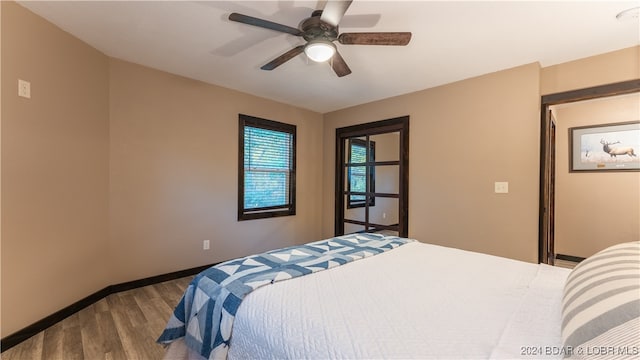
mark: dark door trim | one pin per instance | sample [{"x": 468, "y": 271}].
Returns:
[
  {"x": 620, "y": 88},
  {"x": 400, "y": 124}
]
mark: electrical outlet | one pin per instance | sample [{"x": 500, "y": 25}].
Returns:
[
  {"x": 24, "y": 89},
  {"x": 205, "y": 244}
]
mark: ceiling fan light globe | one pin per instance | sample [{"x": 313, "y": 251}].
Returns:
[{"x": 320, "y": 51}]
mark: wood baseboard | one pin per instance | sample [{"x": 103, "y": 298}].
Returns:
[
  {"x": 21, "y": 335},
  {"x": 575, "y": 259}
]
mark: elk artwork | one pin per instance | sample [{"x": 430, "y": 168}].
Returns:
[{"x": 614, "y": 151}]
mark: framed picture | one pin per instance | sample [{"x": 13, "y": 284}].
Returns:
[{"x": 607, "y": 147}]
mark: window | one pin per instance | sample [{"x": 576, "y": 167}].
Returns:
[
  {"x": 267, "y": 168},
  {"x": 357, "y": 172}
]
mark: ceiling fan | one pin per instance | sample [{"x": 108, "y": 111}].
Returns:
[{"x": 320, "y": 31}]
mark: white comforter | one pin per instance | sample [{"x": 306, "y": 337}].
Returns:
[{"x": 416, "y": 302}]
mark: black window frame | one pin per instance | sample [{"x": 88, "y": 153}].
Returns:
[
  {"x": 369, "y": 168},
  {"x": 272, "y": 211}
]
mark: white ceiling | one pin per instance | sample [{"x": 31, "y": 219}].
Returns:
[{"x": 452, "y": 40}]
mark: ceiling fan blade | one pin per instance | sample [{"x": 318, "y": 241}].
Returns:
[
  {"x": 360, "y": 20},
  {"x": 375, "y": 38},
  {"x": 283, "y": 58},
  {"x": 250, "y": 20},
  {"x": 339, "y": 65},
  {"x": 334, "y": 11}
]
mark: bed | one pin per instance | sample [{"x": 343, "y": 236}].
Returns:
[{"x": 410, "y": 301}]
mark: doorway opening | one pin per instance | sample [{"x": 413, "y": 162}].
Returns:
[
  {"x": 547, "y": 211},
  {"x": 372, "y": 178}
]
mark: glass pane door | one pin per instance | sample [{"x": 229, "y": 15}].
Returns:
[
  {"x": 371, "y": 179},
  {"x": 372, "y": 162}
]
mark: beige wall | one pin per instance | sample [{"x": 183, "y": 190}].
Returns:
[
  {"x": 113, "y": 172},
  {"x": 55, "y": 163},
  {"x": 616, "y": 66},
  {"x": 173, "y": 174},
  {"x": 463, "y": 137},
  {"x": 594, "y": 210}
]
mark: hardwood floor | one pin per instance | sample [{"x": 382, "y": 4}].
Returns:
[
  {"x": 565, "y": 263},
  {"x": 124, "y": 326}
]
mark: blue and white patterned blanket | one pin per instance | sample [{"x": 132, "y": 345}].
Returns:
[{"x": 206, "y": 311}]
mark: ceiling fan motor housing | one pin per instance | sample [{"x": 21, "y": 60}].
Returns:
[{"x": 316, "y": 29}]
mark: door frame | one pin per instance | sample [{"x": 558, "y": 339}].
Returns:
[
  {"x": 398, "y": 124},
  {"x": 545, "y": 249},
  {"x": 549, "y": 191}
]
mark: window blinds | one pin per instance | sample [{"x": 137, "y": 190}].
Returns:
[{"x": 267, "y": 168}]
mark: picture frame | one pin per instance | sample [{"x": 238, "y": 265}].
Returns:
[{"x": 605, "y": 147}]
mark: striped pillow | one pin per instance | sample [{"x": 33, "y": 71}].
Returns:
[{"x": 601, "y": 303}]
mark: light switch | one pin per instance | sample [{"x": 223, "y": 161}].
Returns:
[
  {"x": 501, "y": 187},
  {"x": 24, "y": 89}
]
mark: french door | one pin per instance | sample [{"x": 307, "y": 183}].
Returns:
[
  {"x": 372, "y": 167},
  {"x": 548, "y": 194}
]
